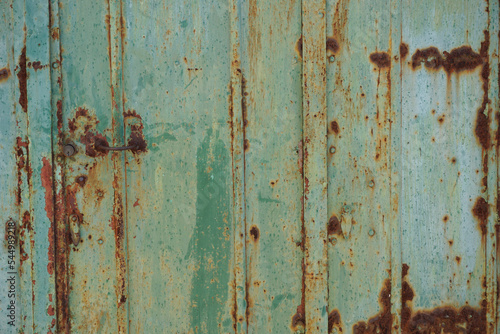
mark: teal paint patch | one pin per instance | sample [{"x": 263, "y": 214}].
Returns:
[{"x": 210, "y": 245}]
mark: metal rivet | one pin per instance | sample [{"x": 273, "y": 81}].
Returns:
[
  {"x": 177, "y": 62},
  {"x": 69, "y": 150},
  {"x": 59, "y": 159},
  {"x": 100, "y": 241},
  {"x": 371, "y": 233},
  {"x": 74, "y": 218},
  {"x": 321, "y": 14},
  {"x": 333, "y": 241},
  {"x": 331, "y": 59},
  {"x": 332, "y": 149},
  {"x": 371, "y": 184},
  {"x": 100, "y": 194},
  {"x": 55, "y": 65}
]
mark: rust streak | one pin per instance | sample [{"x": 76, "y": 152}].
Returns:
[{"x": 22, "y": 76}]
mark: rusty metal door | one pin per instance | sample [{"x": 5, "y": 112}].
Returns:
[{"x": 249, "y": 166}]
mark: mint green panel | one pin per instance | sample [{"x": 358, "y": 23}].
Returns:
[
  {"x": 360, "y": 193},
  {"x": 316, "y": 166},
  {"x": 176, "y": 76}
]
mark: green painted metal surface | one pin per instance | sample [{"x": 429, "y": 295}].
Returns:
[{"x": 297, "y": 166}]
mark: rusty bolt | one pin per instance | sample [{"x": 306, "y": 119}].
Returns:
[
  {"x": 73, "y": 218},
  {"x": 55, "y": 65},
  {"x": 100, "y": 194},
  {"x": 333, "y": 241},
  {"x": 69, "y": 150},
  {"x": 332, "y": 149},
  {"x": 100, "y": 241},
  {"x": 371, "y": 184},
  {"x": 331, "y": 59},
  {"x": 321, "y": 14},
  {"x": 371, "y": 233}
]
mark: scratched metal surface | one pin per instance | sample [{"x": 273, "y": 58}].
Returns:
[{"x": 324, "y": 166}]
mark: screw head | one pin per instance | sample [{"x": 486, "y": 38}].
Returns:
[
  {"x": 371, "y": 184},
  {"x": 331, "y": 59},
  {"x": 69, "y": 150},
  {"x": 100, "y": 241},
  {"x": 371, "y": 232},
  {"x": 73, "y": 218},
  {"x": 332, "y": 149}
]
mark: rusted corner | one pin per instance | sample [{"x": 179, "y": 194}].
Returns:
[
  {"x": 382, "y": 321},
  {"x": 445, "y": 319}
]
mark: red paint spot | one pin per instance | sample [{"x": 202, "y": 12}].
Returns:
[
  {"x": 136, "y": 203},
  {"x": 50, "y": 310}
]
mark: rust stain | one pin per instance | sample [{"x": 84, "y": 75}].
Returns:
[
  {"x": 381, "y": 59},
  {"x": 335, "y": 322},
  {"x": 81, "y": 180},
  {"x": 4, "y": 74},
  {"x": 298, "y": 47},
  {"x": 481, "y": 212},
  {"x": 136, "y": 203},
  {"x": 445, "y": 319},
  {"x": 334, "y": 127},
  {"x": 254, "y": 233},
  {"x": 55, "y": 33},
  {"x": 46, "y": 176},
  {"x": 22, "y": 77},
  {"x": 381, "y": 322},
  {"x": 403, "y": 50},
  {"x": 334, "y": 227},
  {"x": 131, "y": 113},
  {"x": 332, "y": 46},
  {"x": 457, "y": 60},
  {"x": 482, "y": 129},
  {"x": 299, "y": 318}
]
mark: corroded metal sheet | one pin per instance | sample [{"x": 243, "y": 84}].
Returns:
[{"x": 296, "y": 166}]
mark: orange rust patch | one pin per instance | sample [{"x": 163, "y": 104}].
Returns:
[
  {"x": 4, "y": 74},
  {"x": 334, "y": 227},
  {"x": 403, "y": 50},
  {"x": 381, "y": 59},
  {"x": 254, "y": 233},
  {"x": 298, "y": 47},
  {"x": 334, "y": 126},
  {"x": 334, "y": 322},
  {"x": 46, "y": 176},
  {"x": 445, "y": 319},
  {"x": 22, "y": 77},
  {"x": 332, "y": 46},
  {"x": 382, "y": 322},
  {"x": 481, "y": 212}
]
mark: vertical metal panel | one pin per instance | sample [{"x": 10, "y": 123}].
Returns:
[
  {"x": 360, "y": 115},
  {"x": 88, "y": 112},
  {"x": 315, "y": 169},
  {"x": 272, "y": 100},
  {"x": 10, "y": 174},
  {"x": 446, "y": 153},
  {"x": 246, "y": 113},
  {"x": 177, "y": 86}
]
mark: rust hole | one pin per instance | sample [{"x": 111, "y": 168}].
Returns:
[
  {"x": 446, "y": 218},
  {"x": 4, "y": 74}
]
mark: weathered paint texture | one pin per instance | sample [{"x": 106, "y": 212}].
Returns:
[{"x": 319, "y": 166}]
